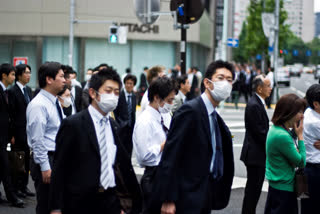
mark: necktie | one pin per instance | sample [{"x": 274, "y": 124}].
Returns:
[
  {"x": 26, "y": 96},
  {"x": 129, "y": 110},
  {"x": 165, "y": 129},
  {"x": 103, "y": 153},
  {"x": 218, "y": 161},
  {"x": 59, "y": 109},
  {"x": 6, "y": 96}
]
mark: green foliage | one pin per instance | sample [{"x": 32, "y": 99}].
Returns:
[{"x": 252, "y": 40}]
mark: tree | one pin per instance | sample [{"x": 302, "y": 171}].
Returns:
[
  {"x": 253, "y": 37},
  {"x": 240, "y": 53},
  {"x": 314, "y": 46}
]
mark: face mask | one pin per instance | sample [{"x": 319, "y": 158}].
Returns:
[
  {"x": 166, "y": 108},
  {"x": 221, "y": 90},
  {"x": 108, "y": 102},
  {"x": 87, "y": 77},
  {"x": 66, "y": 101}
]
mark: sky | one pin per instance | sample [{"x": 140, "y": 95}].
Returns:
[{"x": 316, "y": 5}]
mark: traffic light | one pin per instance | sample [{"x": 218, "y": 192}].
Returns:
[{"x": 113, "y": 34}]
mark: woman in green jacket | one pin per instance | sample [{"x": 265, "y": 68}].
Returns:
[{"x": 284, "y": 154}]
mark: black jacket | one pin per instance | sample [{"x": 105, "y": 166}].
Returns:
[
  {"x": 121, "y": 112},
  {"x": 78, "y": 98},
  {"x": 18, "y": 107},
  {"x": 183, "y": 174},
  {"x": 77, "y": 163},
  {"x": 5, "y": 120},
  {"x": 257, "y": 126}
]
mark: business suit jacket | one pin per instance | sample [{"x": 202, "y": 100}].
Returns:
[
  {"x": 121, "y": 112},
  {"x": 77, "y": 163},
  {"x": 194, "y": 85},
  {"x": 183, "y": 175},
  {"x": 177, "y": 102},
  {"x": 257, "y": 126},
  {"x": 5, "y": 121},
  {"x": 78, "y": 98},
  {"x": 121, "y": 116},
  {"x": 18, "y": 106}
]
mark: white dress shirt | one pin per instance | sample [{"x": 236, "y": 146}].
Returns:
[
  {"x": 262, "y": 100},
  {"x": 210, "y": 110},
  {"x": 270, "y": 77},
  {"x": 20, "y": 86},
  {"x": 3, "y": 86},
  {"x": 144, "y": 101},
  {"x": 111, "y": 147},
  {"x": 43, "y": 122},
  {"x": 148, "y": 135},
  {"x": 311, "y": 134}
]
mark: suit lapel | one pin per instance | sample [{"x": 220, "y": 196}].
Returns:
[
  {"x": 204, "y": 118},
  {"x": 19, "y": 94},
  {"x": 88, "y": 125},
  {"x": 262, "y": 106}
]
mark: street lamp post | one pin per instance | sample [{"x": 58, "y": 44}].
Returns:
[{"x": 276, "y": 46}]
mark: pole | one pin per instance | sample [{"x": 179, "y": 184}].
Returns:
[
  {"x": 276, "y": 46},
  {"x": 71, "y": 31},
  {"x": 183, "y": 43},
  {"x": 225, "y": 30}
]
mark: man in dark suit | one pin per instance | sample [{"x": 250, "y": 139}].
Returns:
[
  {"x": 125, "y": 113},
  {"x": 76, "y": 91},
  {"x": 248, "y": 84},
  {"x": 20, "y": 96},
  {"x": 143, "y": 84},
  {"x": 85, "y": 83},
  {"x": 253, "y": 152},
  {"x": 92, "y": 172},
  {"x": 196, "y": 170},
  {"x": 7, "y": 76},
  {"x": 194, "y": 83}
]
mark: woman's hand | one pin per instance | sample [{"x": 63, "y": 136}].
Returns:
[{"x": 298, "y": 129}]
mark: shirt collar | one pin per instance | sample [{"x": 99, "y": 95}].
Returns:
[
  {"x": 95, "y": 114},
  {"x": 262, "y": 100},
  {"x": 20, "y": 85},
  {"x": 3, "y": 87},
  {"x": 182, "y": 95},
  {"x": 126, "y": 93},
  {"x": 207, "y": 103},
  {"x": 156, "y": 114},
  {"x": 48, "y": 95}
]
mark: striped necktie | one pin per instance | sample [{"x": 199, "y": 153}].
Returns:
[
  {"x": 103, "y": 153},
  {"x": 129, "y": 110}
]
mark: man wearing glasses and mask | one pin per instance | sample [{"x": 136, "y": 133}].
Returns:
[{"x": 196, "y": 170}]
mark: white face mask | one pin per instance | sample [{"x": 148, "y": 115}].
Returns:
[
  {"x": 87, "y": 77},
  {"x": 66, "y": 101},
  {"x": 108, "y": 102},
  {"x": 166, "y": 108},
  {"x": 221, "y": 90}
]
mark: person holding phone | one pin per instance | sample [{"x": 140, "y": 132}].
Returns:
[{"x": 284, "y": 153}]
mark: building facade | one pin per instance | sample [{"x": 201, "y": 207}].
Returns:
[
  {"x": 317, "y": 25},
  {"x": 39, "y": 30}
]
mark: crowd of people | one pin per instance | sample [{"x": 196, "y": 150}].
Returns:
[{"x": 77, "y": 140}]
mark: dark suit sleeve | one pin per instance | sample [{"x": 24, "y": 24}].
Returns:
[
  {"x": 64, "y": 140},
  {"x": 166, "y": 181},
  {"x": 255, "y": 123}
]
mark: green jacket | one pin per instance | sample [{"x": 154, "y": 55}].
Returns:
[{"x": 283, "y": 158}]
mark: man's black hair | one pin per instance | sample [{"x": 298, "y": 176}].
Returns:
[
  {"x": 130, "y": 77},
  {"x": 313, "y": 95},
  {"x": 98, "y": 79},
  {"x": 6, "y": 68},
  {"x": 212, "y": 68},
  {"x": 162, "y": 87},
  {"x": 181, "y": 80},
  {"x": 20, "y": 69},
  {"x": 48, "y": 69}
]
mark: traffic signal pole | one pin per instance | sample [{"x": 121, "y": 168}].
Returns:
[
  {"x": 276, "y": 46},
  {"x": 71, "y": 31},
  {"x": 183, "y": 42}
]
